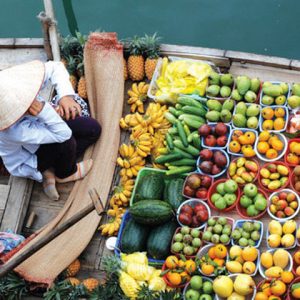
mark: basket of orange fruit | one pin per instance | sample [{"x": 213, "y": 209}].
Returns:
[
  {"x": 212, "y": 260},
  {"x": 295, "y": 179},
  {"x": 274, "y": 118},
  {"x": 177, "y": 272},
  {"x": 294, "y": 289},
  {"x": 296, "y": 263},
  {"x": 292, "y": 155},
  {"x": 270, "y": 146},
  {"x": 241, "y": 142}
]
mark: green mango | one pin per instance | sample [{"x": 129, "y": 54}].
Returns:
[
  {"x": 225, "y": 91},
  {"x": 296, "y": 89},
  {"x": 285, "y": 88},
  {"x": 280, "y": 100},
  {"x": 225, "y": 116},
  {"x": 235, "y": 95},
  {"x": 227, "y": 79},
  {"x": 253, "y": 110},
  {"x": 214, "y": 78},
  {"x": 243, "y": 84},
  {"x": 228, "y": 104},
  {"x": 213, "y": 90},
  {"x": 255, "y": 85},
  {"x": 241, "y": 108},
  {"x": 213, "y": 116},
  {"x": 250, "y": 96},
  {"x": 273, "y": 90},
  {"x": 214, "y": 105},
  {"x": 267, "y": 100},
  {"x": 294, "y": 101},
  {"x": 266, "y": 83},
  {"x": 239, "y": 120},
  {"x": 252, "y": 123}
]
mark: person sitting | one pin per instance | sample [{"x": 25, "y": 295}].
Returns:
[{"x": 38, "y": 141}]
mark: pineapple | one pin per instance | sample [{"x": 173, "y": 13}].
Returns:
[
  {"x": 13, "y": 287},
  {"x": 81, "y": 88},
  {"x": 71, "y": 67},
  {"x": 73, "y": 268},
  {"x": 152, "y": 52},
  {"x": 125, "y": 69},
  {"x": 90, "y": 284},
  {"x": 135, "y": 62},
  {"x": 74, "y": 281}
]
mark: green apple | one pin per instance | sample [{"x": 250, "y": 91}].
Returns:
[
  {"x": 248, "y": 226},
  {"x": 224, "y": 238},
  {"x": 196, "y": 282},
  {"x": 195, "y": 233},
  {"x": 211, "y": 222},
  {"x": 192, "y": 295},
  {"x": 215, "y": 197},
  {"x": 260, "y": 204},
  {"x": 220, "y": 204},
  {"x": 250, "y": 190},
  {"x": 207, "y": 287},
  {"x": 205, "y": 297},
  {"x": 245, "y": 201},
  {"x": 207, "y": 236},
  {"x": 218, "y": 228},
  {"x": 220, "y": 189},
  {"x": 230, "y": 186},
  {"x": 236, "y": 234},
  {"x": 222, "y": 221},
  {"x": 230, "y": 198},
  {"x": 252, "y": 211}
]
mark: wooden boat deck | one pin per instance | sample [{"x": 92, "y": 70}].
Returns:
[{"x": 14, "y": 51}]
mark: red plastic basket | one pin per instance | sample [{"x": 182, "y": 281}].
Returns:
[
  {"x": 165, "y": 278},
  {"x": 242, "y": 211},
  {"x": 251, "y": 159},
  {"x": 282, "y": 187},
  {"x": 289, "y": 295},
  {"x": 295, "y": 264},
  {"x": 292, "y": 182},
  {"x": 288, "y": 151},
  {"x": 213, "y": 189}
]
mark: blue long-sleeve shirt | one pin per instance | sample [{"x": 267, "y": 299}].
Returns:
[{"x": 19, "y": 142}]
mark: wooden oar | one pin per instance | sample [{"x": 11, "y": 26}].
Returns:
[{"x": 14, "y": 262}]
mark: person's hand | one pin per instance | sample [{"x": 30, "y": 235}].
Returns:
[
  {"x": 35, "y": 107},
  {"x": 68, "y": 108}
]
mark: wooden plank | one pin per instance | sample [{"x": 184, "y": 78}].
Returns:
[
  {"x": 258, "y": 59},
  {"x": 265, "y": 73},
  {"x": 4, "y": 191},
  {"x": 295, "y": 64},
  {"x": 7, "y": 43},
  {"x": 29, "y": 43}
]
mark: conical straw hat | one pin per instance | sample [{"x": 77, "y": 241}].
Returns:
[{"x": 19, "y": 85}]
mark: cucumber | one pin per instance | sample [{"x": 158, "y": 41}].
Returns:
[
  {"x": 151, "y": 212},
  {"x": 190, "y": 137},
  {"x": 172, "y": 119},
  {"x": 181, "y": 133},
  {"x": 194, "y": 110},
  {"x": 169, "y": 141},
  {"x": 150, "y": 187},
  {"x": 159, "y": 240},
  {"x": 183, "y": 117},
  {"x": 186, "y": 130},
  {"x": 183, "y": 153},
  {"x": 197, "y": 141},
  {"x": 178, "y": 106},
  {"x": 184, "y": 162},
  {"x": 174, "y": 193},
  {"x": 134, "y": 237},
  {"x": 193, "y": 123},
  {"x": 180, "y": 170},
  {"x": 190, "y": 149},
  {"x": 167, "y": 158},
  {"x": 172, "y": 130},
  {"x": 189, "y": 102}
]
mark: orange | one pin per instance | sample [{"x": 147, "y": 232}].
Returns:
[
  {"x": 298, "y": 271},
  {"x": 250, "y": 137},
  {"x": 261, "y": 296},
  {"x": 264, "y": 136},
  {"x": 190, "y": 266},
  {"x": 220, "y": 251},
  {"x": 181, "y": 263},
  {"x": 296, "y": 149},
  {"x": 279, "y": 112},
  {"x": 236, "y": 134},
  {"x": 278, "y": 288},
  {"x": 249, "y": 253},
  {"x": 185, "y": 276},
  {"x": 207, "y": 269},
  {"x": 263, "y": 147},
  {"x": 271, "y": 153},
  {"x": 174, "y": 278},
  {"x": 277, "y": 144},
  {"x": 234, "y": 146},
  {"x": 273, "y": 137},
  {"x": 287, "y": 276},
  {"x": 297, "y": 257},
  {"x": 279, "y": 123},
  {"x": 273, "y": 297},
  {"x": 267, "y": 113},
  {"x": 171, "y": 262},
  {"x": 266, "y": 289},
  {"x": 292, "y": 159},
  {"x": 267, "y": 125},
  {"x": 292, "y": 146},
  {"x": 248, "y": 151},
  {"x": 219, "y": 261},
  {"x": 211, "y": 253}
]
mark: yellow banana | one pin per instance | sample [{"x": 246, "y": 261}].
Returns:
[
  {"x": 135, "y": 88},
  {"x": 126, "y": 164},
  {"x": 120, "y": 162}
]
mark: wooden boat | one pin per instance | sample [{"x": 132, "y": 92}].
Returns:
[{"x": 23, "y": 206}]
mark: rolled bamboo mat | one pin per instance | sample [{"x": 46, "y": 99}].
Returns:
[{"x": 103, "y": 60}]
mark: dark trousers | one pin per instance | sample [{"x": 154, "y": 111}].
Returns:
[{"x": 62, "y": 156}]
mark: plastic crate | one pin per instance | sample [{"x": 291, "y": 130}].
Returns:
[
  {"x": 221, "y": 98},
  {"x": 204, "y": 279},
  {"x": 274, "y": 83},
  {"x": 258, "y": 117}
]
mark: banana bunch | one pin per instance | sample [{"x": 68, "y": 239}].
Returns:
[
  {"x": 158, "y": 147},
  {"x": 138, "y": 94},
  {"x": 129, "y": 161},
  {"x": 112, "y": 227},
  {"x": 128, "y": 121},
  {"x": 123, "y": 191},
  {"x": 142, "y": 141}
]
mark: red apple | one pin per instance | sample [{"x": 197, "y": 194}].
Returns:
[
  {"x": 185, "y": 219},
  {"x": 189, "y": 192},
  {"x": 187, "y": 209},
  {"x": 222, "y": 141},
  {"x": 206, "y": 154},
  {"x": 204, "y": 130},
  {"x": 281, "y": 205},
  {"x": 280, "y": 214},
  {"x": 289, "y": 211},
  {"x": 199, "y": 207},
  {"x": 201, "y": 193},
  {"x": 206, "y": 181},
  {"x": 275, "y": 199},
  {"x": 221, "y": 129},
  {"x": 202, "y": 215},
  {"x": 195, "y": 222},
  {"x": 282, "y": 196},
  {"x": 291, "y": 197},
  {"x": 210, "y": 141}
]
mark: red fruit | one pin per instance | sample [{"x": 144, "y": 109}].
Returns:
[
  {"x": 290, "y": 197},
  {"x": 220, "y": 159},
  {"x": 222, "y": 141},
  {"x": 275, "y": 199},
  {"x": 206, "y": 167},
  {"x": 205, "y": 181},
  {"x": 210, "y": 141},
  {"x": 201, "y": 193},
  {"x": 187, "y": 209},
  {"x": 215, "y": 170},
  {"x": 206, "y": 154},
  {"x": 281, "y": 205},
  {"x": 221, "y": 129},
  {"x": 289, "y": 211},
  {"x": 185, "y": 219},
  {"x": 280, "y": 214},
  {"x": 193, "y": 181},
  {"x": 199, "y": 207},
  {"x": 282, "y": 195},
  {"x": 202, "y": 215},
  {"x": 204, "y": 130},
  {"x": 195, "y": 222},
  {"x": 188, "y": 191}
]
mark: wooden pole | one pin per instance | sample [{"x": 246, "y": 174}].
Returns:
[
  {"x": 52, "y": 29},
  {"x": 14, "y": 262}
]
